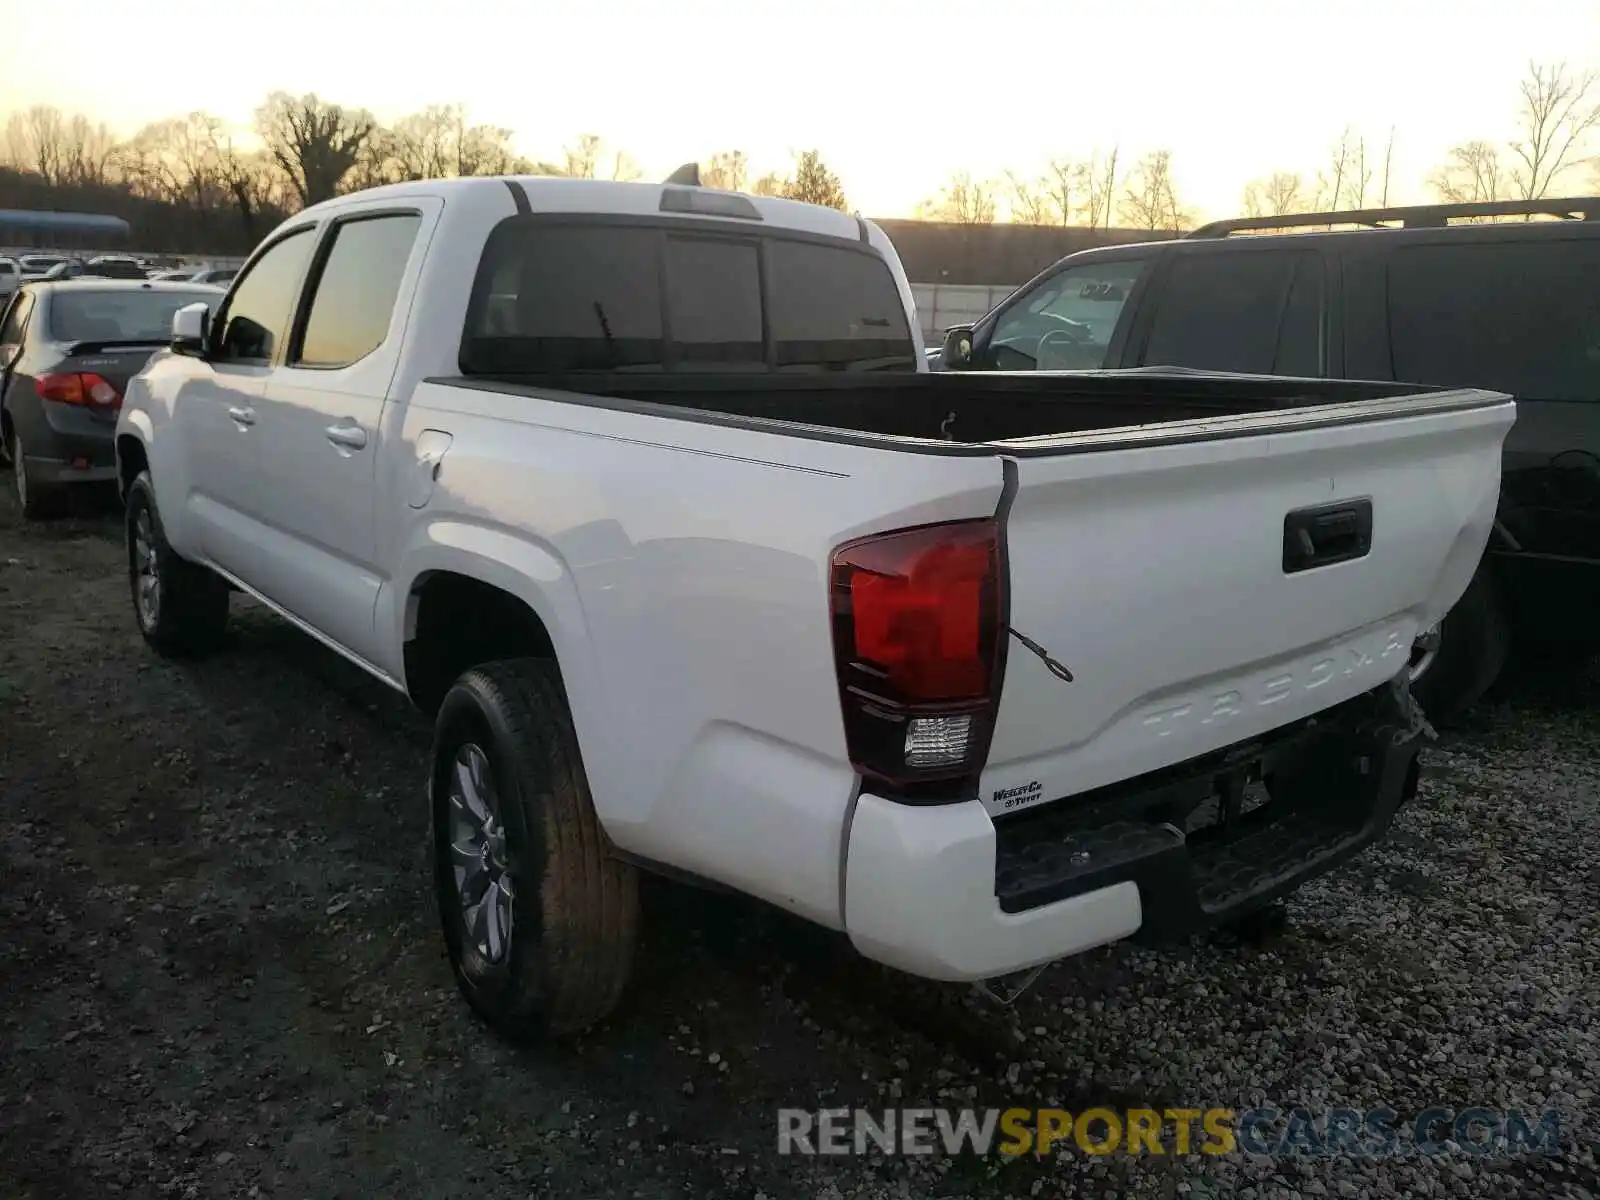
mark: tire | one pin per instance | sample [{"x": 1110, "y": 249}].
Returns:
[
  {"x": 189, "y": 614},
  {"x": 558, "y": 954},
  {"x": 38, "y": 501},
  {"x": 1472, "y": 645}
]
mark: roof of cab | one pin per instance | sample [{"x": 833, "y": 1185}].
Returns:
[{"x": 559, "y": 195}]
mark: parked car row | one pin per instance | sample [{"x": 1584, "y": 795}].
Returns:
[
  {"x": 26, "y": 267},
  {"x": 67, "y": 351},
  {"x": 646, "y": 495},
  {"x": 1433, "y": 295}
]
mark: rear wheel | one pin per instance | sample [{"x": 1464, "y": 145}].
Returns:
[
  {"x": 1457, "y": 661},
  {"x": 540, "y": 918},
  {"x": 180, "y": 606},
  {"x": 38, "y": 501}
]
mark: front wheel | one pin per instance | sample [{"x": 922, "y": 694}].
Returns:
[
  {"x": 181, "y": 607},
  {"x": 539, "y": 916},
  {"x": 1457, "y": 661}
]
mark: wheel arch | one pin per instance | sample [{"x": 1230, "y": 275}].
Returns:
[{"x": 470, "y": 594}]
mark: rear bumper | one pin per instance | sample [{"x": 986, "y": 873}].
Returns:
[
  {"x": 949, "y": 893},
  {"x": 66, "y": 444},
  {"x": 54, "y": 471}
]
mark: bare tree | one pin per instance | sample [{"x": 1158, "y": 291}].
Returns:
[
  {"x": 35, "y": 140},
  {"x": 1471, "y": 174},
  {"x": 728, "y": 170},
  {"x": 314, "y": 143},
  {"x": 1069, "y": 184},
  {"x": 177, "y": 160},
  {"x": 586, "y": 160},
  {"x": 85, "y": 151},
  {"x": 583, "y": 160},
  {"x": 1388, "y": 163},
  {"x": 963, "y": 201},
  {"x": 1558, "y": 116},
  {"x": 1029, "y": 203},
  {"x": 1101, "y": 183},
  {"x": 255, "y": 185},
  {"x": 1345, "y": 181},
  {"x": 1151, "y": 200},
  {"x": 382, "y": 159},
  {"x": 439, "y": 142},
  {"x": 1277, "y": 195}
]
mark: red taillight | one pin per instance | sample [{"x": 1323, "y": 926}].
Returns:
[
  {"x": 917, "y": 638},
  {"x": 78, "y": 387}
]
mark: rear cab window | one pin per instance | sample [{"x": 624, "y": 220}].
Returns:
[
  {"x": 134, "y": 316},
  {"x": 554, "y": 296}
]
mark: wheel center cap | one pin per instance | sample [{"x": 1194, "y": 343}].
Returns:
[{"x": 494, "y": 851}]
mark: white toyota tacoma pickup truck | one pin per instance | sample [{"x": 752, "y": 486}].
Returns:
[{"x": 644, "y": 492}]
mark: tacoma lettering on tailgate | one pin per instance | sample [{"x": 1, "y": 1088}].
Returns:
[{"x": 1282, "y": 683}]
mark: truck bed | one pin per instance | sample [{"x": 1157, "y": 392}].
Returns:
[{"x": 966, "y": 409}]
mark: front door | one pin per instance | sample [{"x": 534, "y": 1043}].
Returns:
[
  {"x": 323, "y": 410},
  {"x": 219, "y": 409}
]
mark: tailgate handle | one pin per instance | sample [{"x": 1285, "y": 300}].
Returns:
[{"x": 1326, "y": 534}]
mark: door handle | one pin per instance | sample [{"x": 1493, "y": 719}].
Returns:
[
  {"x": 243, "y": 416},
  {"x": 347, "y": 437},
  {"x": 1327, "y": 534}
]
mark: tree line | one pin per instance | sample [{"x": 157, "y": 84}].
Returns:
[
  {"x": 187, "y": 183},
  {"x": 1556, "y": 129}
]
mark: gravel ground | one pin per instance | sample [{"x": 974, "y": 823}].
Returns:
[{"x": 220, "y": 974}]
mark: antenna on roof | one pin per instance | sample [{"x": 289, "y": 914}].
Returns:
[{"x": 687, "y": 175}]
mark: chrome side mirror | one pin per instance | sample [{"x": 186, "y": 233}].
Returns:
[{"x": 189, "y": 326}]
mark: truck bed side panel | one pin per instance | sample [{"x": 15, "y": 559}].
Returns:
[{"x": 711, "y": 726}]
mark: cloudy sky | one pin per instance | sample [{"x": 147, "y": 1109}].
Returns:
[{"x": 896, "y": 95}]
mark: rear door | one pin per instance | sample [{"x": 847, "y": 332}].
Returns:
[
  {"x": 1520, "y": 314},
  {"x": 320, "y": 419}
]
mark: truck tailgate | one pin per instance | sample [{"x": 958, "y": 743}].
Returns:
[{"x": 1206, "y": 582}]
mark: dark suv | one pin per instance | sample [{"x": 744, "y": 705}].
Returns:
[{"x": 1449, "y": 295}]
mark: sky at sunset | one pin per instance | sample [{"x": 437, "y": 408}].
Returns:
[{"x": 895, "y": 95}]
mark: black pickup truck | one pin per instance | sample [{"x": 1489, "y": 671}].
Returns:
[{"x": 1500, "y": 295}]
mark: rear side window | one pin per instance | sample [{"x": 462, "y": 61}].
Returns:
[
  {"x": 1518, "y": 316},
  {"x": 355, "y": 293},
  {"x": 556, "y": 298},
  {"x": 1257, "y": 312}
]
